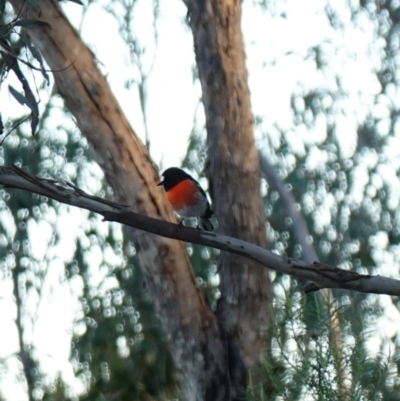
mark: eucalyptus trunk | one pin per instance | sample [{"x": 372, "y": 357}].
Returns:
[{"x": 234, "y": 175}]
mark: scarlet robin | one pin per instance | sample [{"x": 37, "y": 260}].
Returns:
[{"x": 186, "y": 196}]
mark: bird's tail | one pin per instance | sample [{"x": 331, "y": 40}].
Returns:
[
  {"x": 206, "y": 223},
  {"x": 205, "y": 219}
]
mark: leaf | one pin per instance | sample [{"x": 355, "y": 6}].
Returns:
[
  {"x": 29, "y": 101},
  {"x": 34, "y": 121},
  {"x": 4, "y": 29},
  {"x": 36, "y": 54},
  {"x": 21, "y": 99},
  {"x": 7, "y": 47},
  {"x": 2, "y": 6},
  {"x": 77, "y": 2},
  {"x": 32, "y": 24}
]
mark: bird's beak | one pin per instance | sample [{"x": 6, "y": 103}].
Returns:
[{"x": 160, "y": 183}]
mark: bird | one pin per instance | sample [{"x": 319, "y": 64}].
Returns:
[{"x": 186, "y": 196}]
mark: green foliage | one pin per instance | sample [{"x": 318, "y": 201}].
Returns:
[
  {"x": 348, "y": 201},
  {"x": 12, "y": 42},
  {"x": 305, "y": 365},
  {"x": 122, "y": 351}
]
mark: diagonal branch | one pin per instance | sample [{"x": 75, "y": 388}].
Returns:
[
  {"x": 300, "y": 229},
  {"x": 323, "y": 276}
]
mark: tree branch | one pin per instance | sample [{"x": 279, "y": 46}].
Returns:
[
  {"x": 323, "y": 276},
  {"x": 300, "y": 229}
]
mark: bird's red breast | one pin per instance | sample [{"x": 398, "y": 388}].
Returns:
[{"x": 184, "y": 194}]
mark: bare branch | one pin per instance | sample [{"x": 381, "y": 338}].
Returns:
[
  {"x": 300, "y": 229},
  {"x": 323, "y": 276}
]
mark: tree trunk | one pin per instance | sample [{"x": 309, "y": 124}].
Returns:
[
  {"x": 234, "y": 175},
  {"x": 190, "y": 327}
]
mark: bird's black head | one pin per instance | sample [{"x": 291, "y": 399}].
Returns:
[{"x": 173, "y": 176}]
